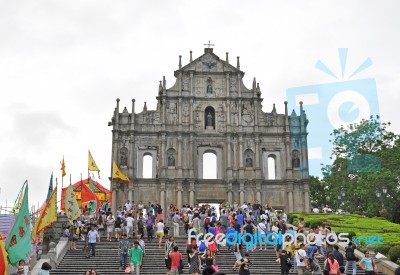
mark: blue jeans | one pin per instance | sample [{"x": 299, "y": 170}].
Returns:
[
  {"x": 92, "y": 248},
  {"x": 354, "y": 264},
  {"x": 321, "y": 250},
  {"x": 123, "y": 257}
]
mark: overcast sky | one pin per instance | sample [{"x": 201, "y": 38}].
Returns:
[{"x": 64, "y": 63}]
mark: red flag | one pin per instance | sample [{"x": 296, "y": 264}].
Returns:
[{"x": 87, "y": 195}]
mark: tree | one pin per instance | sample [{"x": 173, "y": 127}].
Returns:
[{"x": 366, "y": 159}]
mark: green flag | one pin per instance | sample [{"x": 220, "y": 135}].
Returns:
[
  {"x": 19, "y": 239},
  {"x": 91, "y": 184},
  {"x": 71, "y": 204}
]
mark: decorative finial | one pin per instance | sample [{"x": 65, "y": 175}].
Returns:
[
  {"x": 191, "y": 59},
  {"x": 180, "y": 61},
  {"x": 227, "y": 57},
  {"x": 209, "y": 44},
  {"x": 238, "y": 63},
  {"x": 258, "y": 90},
  {"x": 254, "y": 84},
  {"x": 145, "y": 107},
  {"x": 160, "y": 89}
]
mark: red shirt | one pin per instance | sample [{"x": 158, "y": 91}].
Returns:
[{"x": 176, "y": 258}]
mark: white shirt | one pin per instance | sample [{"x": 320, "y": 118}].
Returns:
[
  {"x": 301, "y": 254},
  {"x": 262, "y": 228},
  {"x": 160, "y": 227},
  {"x": 129, "y": 221},
  {"x": 92, "y": 236}
]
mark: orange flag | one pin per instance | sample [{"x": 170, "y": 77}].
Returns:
[
  {"x": 88, "y": 195},
  {"x": 3, "y": 257}
]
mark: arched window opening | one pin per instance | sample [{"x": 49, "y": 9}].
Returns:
[
  {"x": 271, "y": 167},
  {"x": 209, "y": 166},
  {"x": 147, "y": 166}
]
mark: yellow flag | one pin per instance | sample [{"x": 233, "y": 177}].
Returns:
[
  {"x": 71, "y": 204},
  {"x": 48, "y": 216},
  {"x": 18, "y": 203},
  {"x": 92, "y": 166},
  {"x": 117, "y": 174},
  {"x": 63, "y": 173}
]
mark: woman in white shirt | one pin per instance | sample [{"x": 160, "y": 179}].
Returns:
[
  {"x": 160, "y": 232},
  {"x": 262, "y": 233}
]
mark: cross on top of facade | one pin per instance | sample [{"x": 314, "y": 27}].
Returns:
[{"x": 209, "y": 44}]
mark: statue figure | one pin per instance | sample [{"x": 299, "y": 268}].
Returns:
[
  {"x": 249, "y": 161},
  {"x": 171, "y": 160},
  {"x": 209, "y": 119},
  {"x": 123, "y": 161},
  {"x": 296, "y": 160},
  {"x": 209, "y": 88}
]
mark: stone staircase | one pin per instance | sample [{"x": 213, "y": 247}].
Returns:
[{"x": 106, "y": 261}]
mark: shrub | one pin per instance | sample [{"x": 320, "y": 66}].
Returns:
[
  {"x": 357, "y": 212},
  {"x": 315, "y": 223},
  {"x": 394, "y": 253}
]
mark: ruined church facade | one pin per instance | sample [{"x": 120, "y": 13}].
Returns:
[{"x": 259, "y": 156}]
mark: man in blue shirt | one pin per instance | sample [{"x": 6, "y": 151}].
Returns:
[
  {"x": 240, "y": 219},
  {"x": 92, "y": 236},
  {"x": 338, "y": 256}
]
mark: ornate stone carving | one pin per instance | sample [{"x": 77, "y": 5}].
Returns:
[
  {"x": 221, "y": 119},
  {"x": 247, "y": 114},
  {"x": 185, "y": 113},
  {"x": 172, "y": 114},
  {"x": 234, "y": 110},
  {"x": 185, "y": 83},
  {"x": 232, "y": 84}
]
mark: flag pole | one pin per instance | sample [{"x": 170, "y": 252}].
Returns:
[{"x": 81, "y": 193}]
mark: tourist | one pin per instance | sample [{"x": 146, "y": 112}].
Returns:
[
  {"x": 338, "y": 256},
  {"x": 169, "y": 245},
  {"x": 118, "y": 229},
  {"x": 160, "y": 232},
  {"x": 331, "y": 264},
  {"x": 285, "y": 263},
  {"x": 129, "y": 225},
  {"x": 149, "y": 226},
  {"x": 175, "y": 221},
  {"x": 244, "y": 265},
  {"x": 367, "y": 264},
  {"x": 100, "y": 225},
  {"x": 194, "y": 261},
  {"x": 110, "y": 226},
  {"x": 140, "y": 224},
  {"x": 93, "y": 235},
  {"x": 123, "y": 249},
  {"x": 175, "y": 258},
  {"x": 215, "y": 265},
  {"x": 351, "y": 258},
  {"x": 207, "y": 258},
  {"x": 135, "y": 258},
  {"x": 301, "y": 260},
  {"x": 315, "y": 268},
  {"x": 45, "y": 269}
]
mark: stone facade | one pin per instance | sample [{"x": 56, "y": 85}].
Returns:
[{"x": 209, "y": 110}]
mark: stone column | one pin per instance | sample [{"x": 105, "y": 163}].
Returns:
[
  {"x": 230, "y": 193},
  {"x": 114, "y": 198},
  {"x": 180, "y": 112},
  {"x": 228, "y": 152},
  {"x": 179, "y": 195},
  {"x": 163, "y": 152},
  {"x": 257, "y": 141},
  {"x": 227, "y": 84},
  {"x": 241, "y": 193},
  {"x": 258, "y": 194},
  {"x": 240, "y": 153},
  {"x": 191, "y": 161},
  {"x": 306, "y": 201},
  {"x": 179, "y": 156},
  {"x": 163, "y": 118},
  {"x": 191, "y": 193},
  {"x": 162, "y": 196},
  {"x": 130, "y": 191},
  {"x": 290, "y": 197}
]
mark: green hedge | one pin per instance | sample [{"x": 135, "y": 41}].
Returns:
[{"x": 394, "y": 253}]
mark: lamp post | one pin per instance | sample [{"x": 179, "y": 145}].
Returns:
[{"x": 381, "y": 193}]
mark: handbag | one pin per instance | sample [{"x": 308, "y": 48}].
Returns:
[
  {"x": 375, "y": 267},
  {"x": 128, "y": 269}
]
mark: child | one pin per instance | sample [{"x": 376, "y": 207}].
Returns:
[{"x": 215, "y": 266}]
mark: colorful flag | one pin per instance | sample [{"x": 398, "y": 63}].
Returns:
[
  {"x": 71, "y": 204},
  {"x": 117, "y": 174},
  {"x": 63, "y": 173},
  {"x": 87, "y": 195},
  {"x": 50, "y": 188},
  {"x": 92, "y": 166},
  {"x": 91, "y": 184},
  {"x": 18, "y": 243},
  {"x": 48, "y": 216},
  {"x": 3, "y": 258}
]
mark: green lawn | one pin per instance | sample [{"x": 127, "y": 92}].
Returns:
[{"x": 390, "y": 232}]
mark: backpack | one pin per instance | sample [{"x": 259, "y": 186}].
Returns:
[
  {"x": 186, "y": 219},
  {"x": 214, "y": 219},
  {"x": 149, "y": 223},
  {"x": 202, "y": 246},
  {"x": 207, "y": 221},
  {"x": 78, "y": 231},
  {"x": 350, "y": 253}
]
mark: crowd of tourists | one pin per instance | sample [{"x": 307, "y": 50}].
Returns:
[{"x": 133, "y": 223}]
